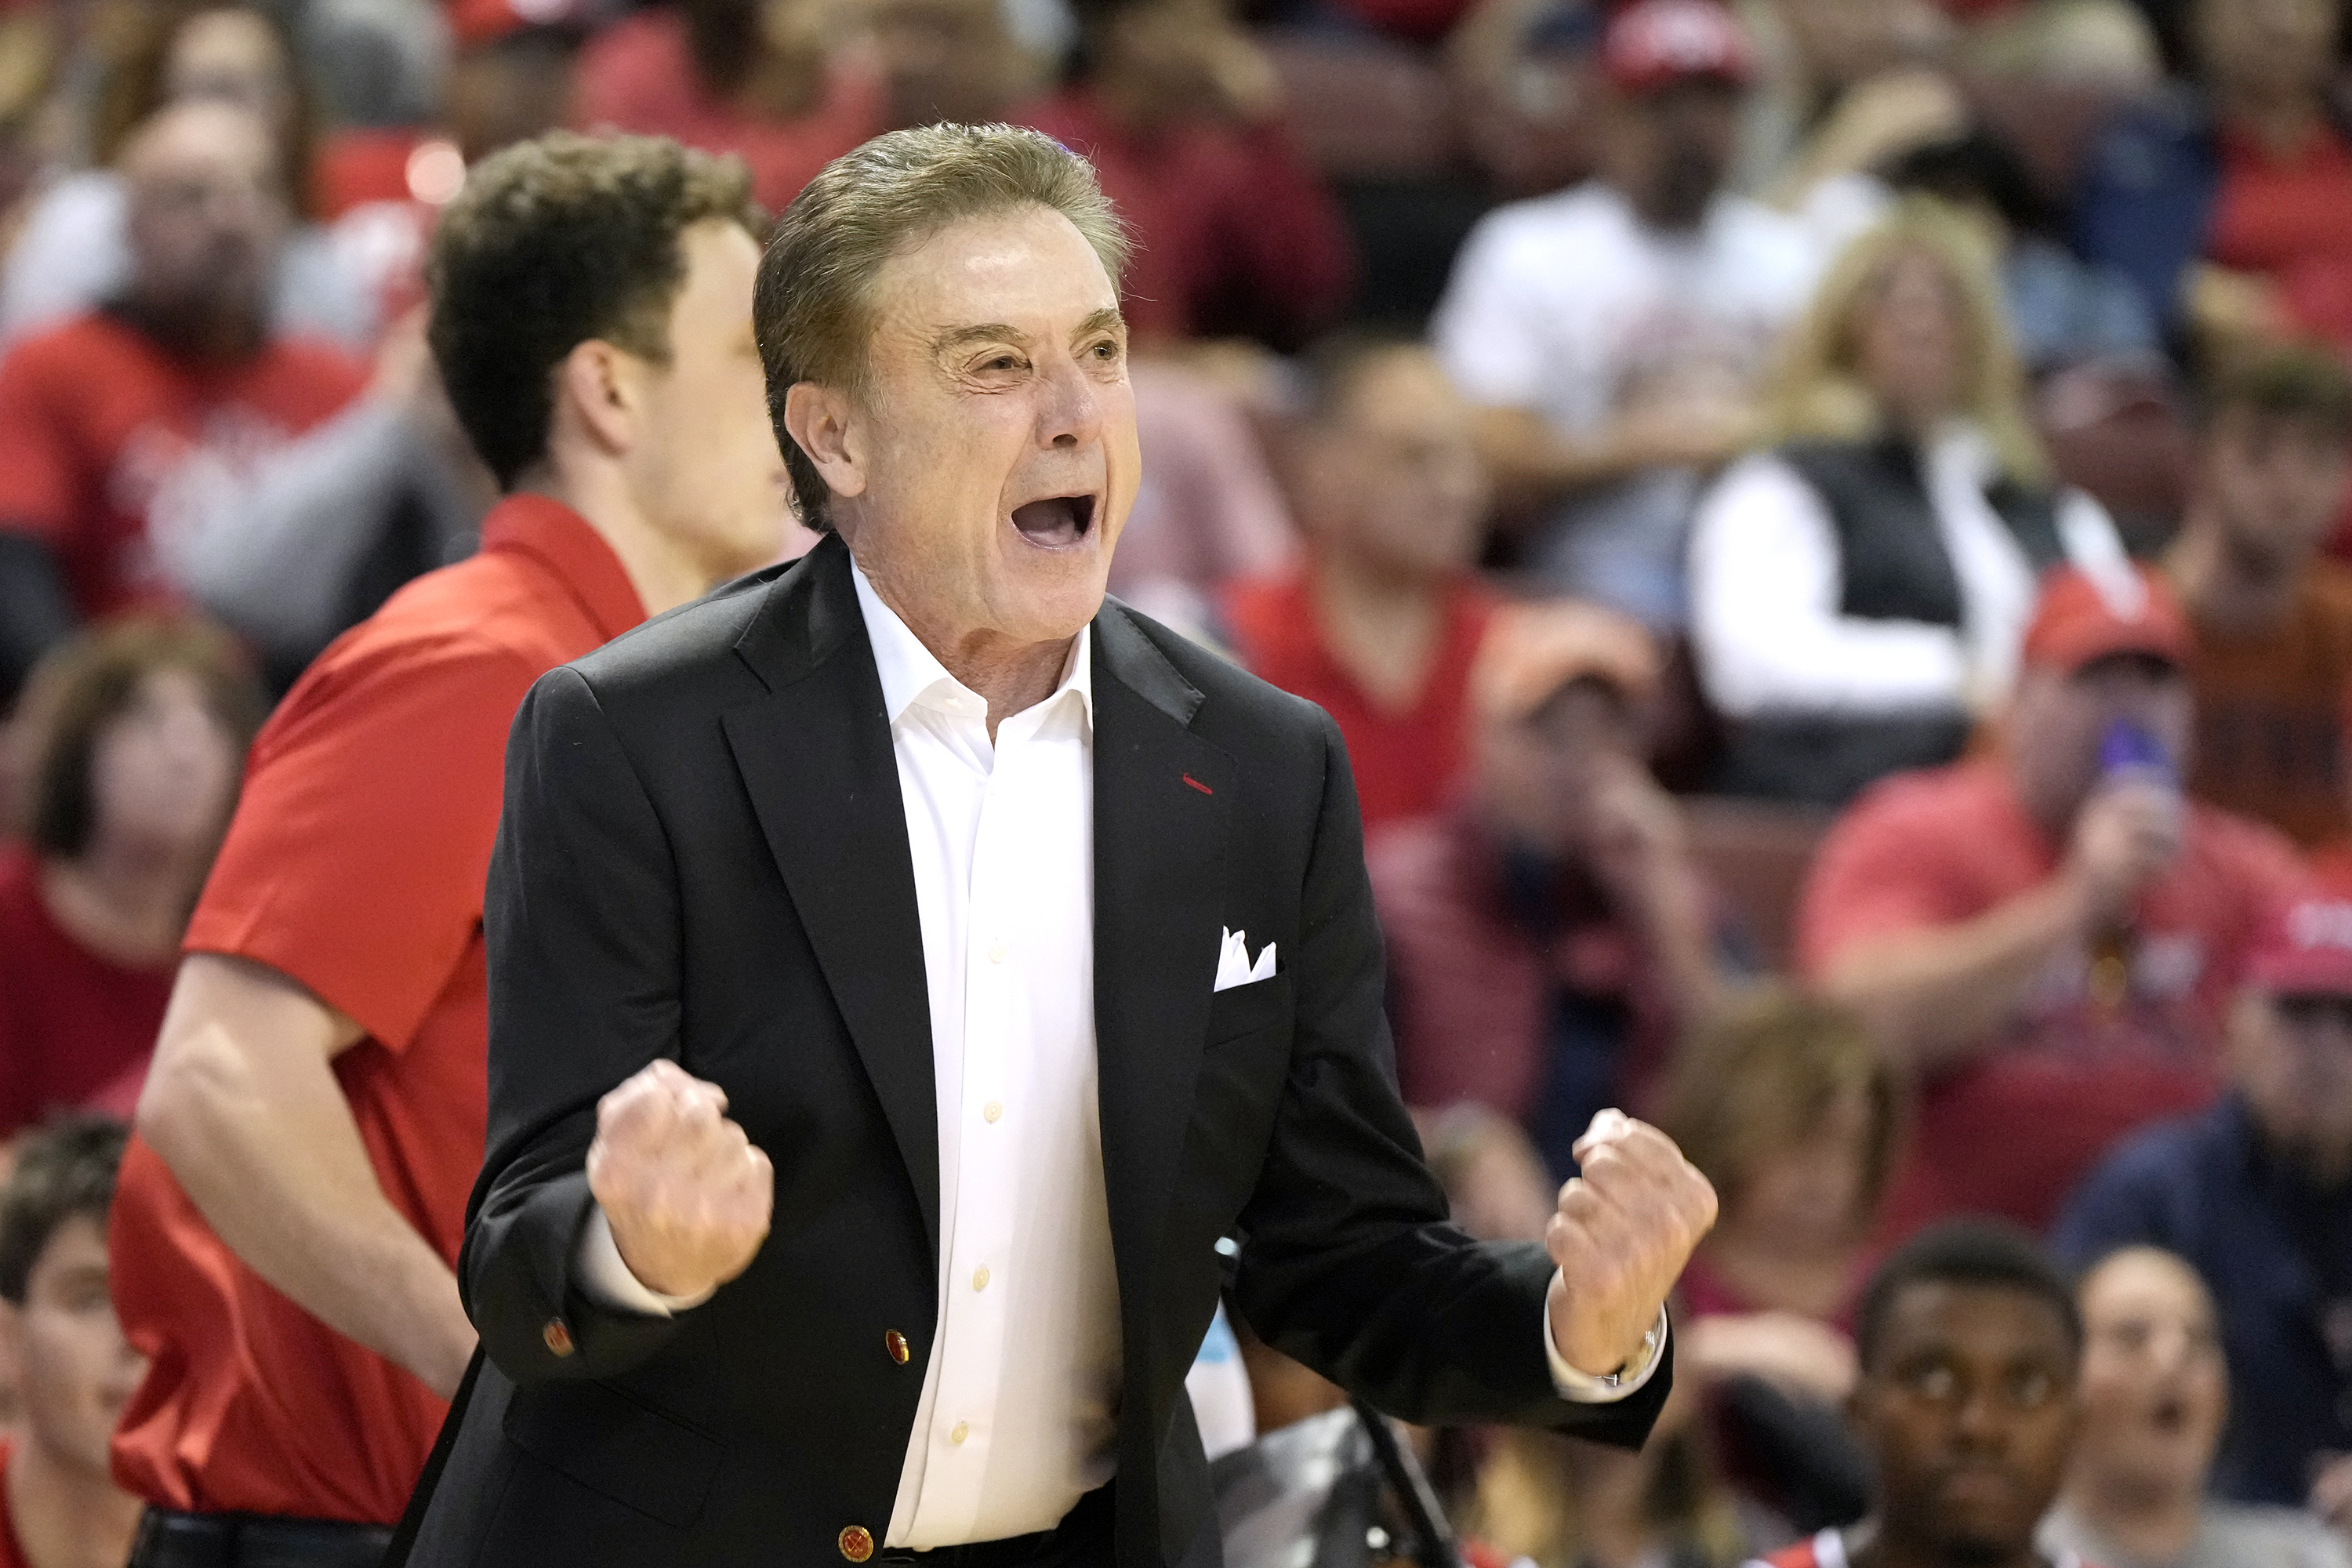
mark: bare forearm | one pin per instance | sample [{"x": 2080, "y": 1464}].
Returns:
[
  {"x": 273, "y": 1160},
  {"x": 1682, "y": 935},
  {"x": 1533, "y": 462},
  {"x": 1935, "y": 998}
]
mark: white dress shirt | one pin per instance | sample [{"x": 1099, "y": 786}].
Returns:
[
  {"x": 1018, "y": 1416},
  {"x": 1766, "y": 587}
]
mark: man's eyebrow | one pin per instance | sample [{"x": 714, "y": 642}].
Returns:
[
  {"x": 983, "y": 332},
  {"x": 1105, "y": 319}
]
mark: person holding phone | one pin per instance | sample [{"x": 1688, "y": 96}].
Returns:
[{"x": 2047, "y": 936}]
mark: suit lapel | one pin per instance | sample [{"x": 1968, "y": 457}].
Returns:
[
  {"x": 1161, "y": 798},
  {"x": 816, "y": 758}
]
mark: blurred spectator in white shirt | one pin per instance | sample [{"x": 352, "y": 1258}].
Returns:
[
  {"x": 2156, "y": 1390},
  {"x": 1616, "y": 333}
]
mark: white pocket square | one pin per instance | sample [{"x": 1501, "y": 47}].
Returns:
[{"x": 1233, "y": 967}]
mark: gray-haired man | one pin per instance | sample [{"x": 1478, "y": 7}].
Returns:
[{"x": 906, "y": 968}]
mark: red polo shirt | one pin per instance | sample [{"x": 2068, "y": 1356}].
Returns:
[
  {"x": 356, "y": 865},
  {"x": 1406, "y": 760}
]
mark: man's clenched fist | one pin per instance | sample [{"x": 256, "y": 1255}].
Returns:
[
  {"x": 1622, "y": 1233},
  {"x": 687, "y": 1196}
]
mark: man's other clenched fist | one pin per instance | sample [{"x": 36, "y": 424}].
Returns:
[
  {"x": 687, "y": 1196},
  {"x": 1622, "y": 1233}
]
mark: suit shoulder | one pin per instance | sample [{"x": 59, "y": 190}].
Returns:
[
  {"x": 677, "y": 652},
  {"x": 1231, "y": 695}
]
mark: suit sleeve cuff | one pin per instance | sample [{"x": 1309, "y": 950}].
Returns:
[
  {"x": 1582, "y": 1387},
  {"x": 605, "y": 1278}
]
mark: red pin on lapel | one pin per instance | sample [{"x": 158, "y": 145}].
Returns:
[{"x": 1197, "y": 784}]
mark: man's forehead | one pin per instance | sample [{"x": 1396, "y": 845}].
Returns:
[
  {"x": 1029, "y": 269},
  {"x": 1973, "y": 1318}
]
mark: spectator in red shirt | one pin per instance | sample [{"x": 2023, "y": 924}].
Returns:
[
  {"x": 1548, "y": 933},
  {"x": 1181, "y": 115},
  {"x": 2046, "y": 940},
  {"x": 2272, "y": 616},
  {"x": 292, "y": 1208},
  {"x": 64, "y": 1352},
  {"x": 169, "y": 448},
  {"x": 137, "y": 733},
  {"x": 1377, "y": 624},
  {"x": 762, "y": 81}
]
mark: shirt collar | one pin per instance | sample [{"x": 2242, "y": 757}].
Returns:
[
  {"x": 569, "y": 546},
  {"x": 910, "y": 672}
]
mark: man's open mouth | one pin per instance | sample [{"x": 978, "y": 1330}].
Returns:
[{"x": 1055, "y": 519}]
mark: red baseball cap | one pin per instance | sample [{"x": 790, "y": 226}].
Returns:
[
  {"x": 1653, "y": 44},
  {"x": 2305, "y": 949},
  {"x": 2085, "y": 616}
]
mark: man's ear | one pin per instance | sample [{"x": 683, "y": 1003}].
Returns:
[
  {"x": 823, "y": 421},
  {"x": 596, "y": 393}
]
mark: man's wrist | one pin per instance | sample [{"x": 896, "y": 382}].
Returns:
[
  {"x": 604, "y": 1276},
  {"x": 1582, "y": 1387}
]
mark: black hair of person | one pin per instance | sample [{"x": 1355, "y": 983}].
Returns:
[{"x": 1979, "y": 1253}]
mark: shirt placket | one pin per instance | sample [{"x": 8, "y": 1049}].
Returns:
[{"x": 979, "y": 1287}]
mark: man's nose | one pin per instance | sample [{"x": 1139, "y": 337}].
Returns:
[
  {"x": 1977, "y": 1426},
  {"x": 1071, "y": 414}
]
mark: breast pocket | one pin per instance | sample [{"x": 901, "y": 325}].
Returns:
[{"x": 1242, "y": 1010}]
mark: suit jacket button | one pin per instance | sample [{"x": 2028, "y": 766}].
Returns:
[
  {"x": 896, "y": 1343},
  {"x": 856, "y": 1543},
  {"x": 557, "y": 1338}
]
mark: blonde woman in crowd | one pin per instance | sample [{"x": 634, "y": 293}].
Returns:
[{"x": 1859, "y": 590}]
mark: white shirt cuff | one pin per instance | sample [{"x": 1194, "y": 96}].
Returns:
[
  {"x": 605, "y": 1276},
  {"x": 1582, "y": 1387}
]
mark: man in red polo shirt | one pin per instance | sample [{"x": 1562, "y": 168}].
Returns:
[
  {"x": 289, "y": 1217},
  {"x": 1378, "y": 625},
  {"x": 2049, "y": 938}
]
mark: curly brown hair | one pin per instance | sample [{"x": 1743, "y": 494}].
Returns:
[{"x": 553, "y": 243}]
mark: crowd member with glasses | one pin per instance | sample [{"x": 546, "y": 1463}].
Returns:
[
  {"x": 2156, "y": 1390},
  {"x": 1969, "y": 1347},
  {"x": 2254, "y": 1193}
]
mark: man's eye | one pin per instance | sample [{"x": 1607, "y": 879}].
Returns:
[
  {"x": 1934, "y": 1382},
  {"x": 1004, "y": 362},
  {"x": 1105, "y": 351}
]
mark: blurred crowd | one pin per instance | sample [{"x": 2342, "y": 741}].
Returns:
[{"x": 1823, "y": 524}]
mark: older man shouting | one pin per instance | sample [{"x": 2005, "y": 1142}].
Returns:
[{"x": 906, "y": 968}]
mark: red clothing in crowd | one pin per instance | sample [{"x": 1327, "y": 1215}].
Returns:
[
  {"x": 76, "y": 1029},
  {"x": 639, "y": 75},
  {"x": 2078, "y": 1070},
  {"x": 356, "y": 865},
  {"x": 1471, "y": 982},
  {"x": 1234, "y": 234},
  {"x": 2289, "y": 218},
  {"x": 102, "y": 430},
  {"x": 1407, "y": 761},
  {"x": 12, "y": 1550}
]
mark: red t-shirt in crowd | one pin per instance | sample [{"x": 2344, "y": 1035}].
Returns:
[
  {"x": 2010, "y": 1132},
  {"x": 355, "y": 864},
  {"x": 1407, "y": 761},
  {"x": 1234, "y": 234},
  {"x": 76, "y": 1029},
  {"x": 12, "y": 1550},
  {"x": 2289, "y": 218},
  {"x": 639, "y": 75},
  {"x": 102, "y": 433}
]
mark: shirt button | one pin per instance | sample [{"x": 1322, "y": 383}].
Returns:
[
  {"x": 979, "y": 1278},
  {"x": 896, "y": 1343},
  {"x": 962, "y": 1430},
  {"x": 992, "y": 1109},
  {"x": 556, "y": 1337},
  {"x": 997, "y": 950}
]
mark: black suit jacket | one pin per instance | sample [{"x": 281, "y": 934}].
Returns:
[{"x": 704, "y": 856}]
